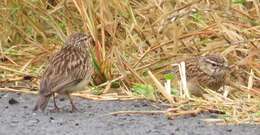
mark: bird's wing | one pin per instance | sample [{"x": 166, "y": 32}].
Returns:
[{"x": 66, "y": 68}]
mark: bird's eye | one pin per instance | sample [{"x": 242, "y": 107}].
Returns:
[{"x": 214, "y": 64}]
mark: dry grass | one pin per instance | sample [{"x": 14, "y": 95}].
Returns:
[{"x": 134, "y": 37}]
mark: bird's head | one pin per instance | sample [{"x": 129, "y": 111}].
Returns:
[
  {"x": 213, "y": 65},
  {"x": 82, "y": 40}
]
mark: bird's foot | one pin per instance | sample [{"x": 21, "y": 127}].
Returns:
[
  {"x": 74, "y": 109},
  {"x": 55, "y": 110}
]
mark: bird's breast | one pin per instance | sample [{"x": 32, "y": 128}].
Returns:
[{"x": 79, "y": 86}]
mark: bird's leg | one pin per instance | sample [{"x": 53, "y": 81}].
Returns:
[
  {"x": 56, "y": 108},
  {"x": 73, "y": 107}
]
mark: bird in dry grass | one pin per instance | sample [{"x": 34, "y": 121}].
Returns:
[
  {"x": 205, "y": 71},
  {"x": 69, "y": 70}
]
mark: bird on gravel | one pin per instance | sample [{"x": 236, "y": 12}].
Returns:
[{"x": 69, "y": 70}]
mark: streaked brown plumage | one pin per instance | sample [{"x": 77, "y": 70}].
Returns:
[
  {"x": 69, "y": 70},
  {"x": 205, "y": 71}
]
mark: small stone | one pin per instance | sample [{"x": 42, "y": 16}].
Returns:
[
  {"x": 51, "y": 118},
  {"x": 145, "y": 104},
  {"x": 229, "y": 130},
  {"x": 12, "y": 101},
  {"x": 137, "y": 105}
]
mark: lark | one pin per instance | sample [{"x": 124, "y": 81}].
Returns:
[
  {"x": 69, "y": 70},
  {"x": 205, "y": 72}
]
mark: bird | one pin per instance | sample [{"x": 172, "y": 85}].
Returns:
[
  {"x": 208, "y": 71},
  {"x": 69, "y": 70}
]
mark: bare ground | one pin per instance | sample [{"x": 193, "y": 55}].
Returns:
[{"x": 17, "y": 118}]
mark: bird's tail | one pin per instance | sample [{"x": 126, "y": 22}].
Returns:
[{"x": 42, "y": 103}]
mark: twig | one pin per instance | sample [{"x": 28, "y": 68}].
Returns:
[
  {"x": 136, "y": 112},
  {"x": 15, "y": 90},
  {"x": 16, "y": 71},
  {"x": 161, "y": 88},
  {"x": 190, "y": 112}
]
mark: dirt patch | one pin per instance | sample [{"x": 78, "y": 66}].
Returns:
[{"x": 16, "y": 117}]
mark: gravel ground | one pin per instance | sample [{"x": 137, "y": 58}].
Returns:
[{"x": 17, "y": 118}]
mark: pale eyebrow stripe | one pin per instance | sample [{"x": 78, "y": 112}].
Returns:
[
  {"x": 211, "y": 61},
  {"x": 81, "y": 39}
]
